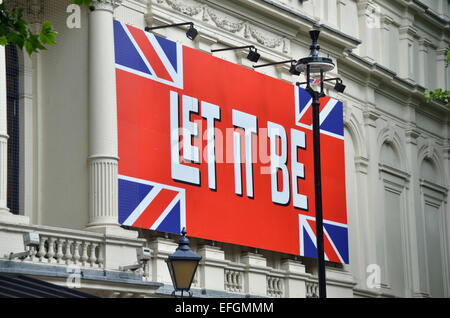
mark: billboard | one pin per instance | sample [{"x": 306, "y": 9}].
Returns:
[{"x": 223, "y": 150}]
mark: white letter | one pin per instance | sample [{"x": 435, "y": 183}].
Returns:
[
  {"x": 74, "y": 20},
  {"x": 297, "y": 169},
  {"x": 179, "y": 172},
  {"x": 249, "y": 124},
  {"x": 211, "y": 112},
  {"x": 190, "y": 129},
  {"x": 276, "y": 131}
]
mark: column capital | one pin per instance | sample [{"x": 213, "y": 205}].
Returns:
[{"x": 106, "y": 5}]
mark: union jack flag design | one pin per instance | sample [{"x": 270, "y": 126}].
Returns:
[
  {"x": 331, "y": 113},
  {"x": 143, "y": 203},
  {"x": 148, "y": 55},
  {"x": 335, "y": 239},
  {"x": 151, "y": 205}
]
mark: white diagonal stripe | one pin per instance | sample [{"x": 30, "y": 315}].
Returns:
[
  {"x": 166, "y": 212},
  {"x": 142, "y": 206},
  {"x": 332, "y": 244},
  {"x": 312, "y": 236},
  {"x": 162, "y": 55},
  {"x": 138, "y": 49},
  {"x": 326, "y": 110}
]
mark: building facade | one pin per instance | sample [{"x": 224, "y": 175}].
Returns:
[{"x": 59, "y": 157}]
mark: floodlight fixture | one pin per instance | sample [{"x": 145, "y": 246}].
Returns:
[
  {"x": 191, "y": 33},
  {"x": 253, "y": 55}
]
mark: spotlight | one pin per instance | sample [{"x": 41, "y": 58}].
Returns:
[
  {"x": 293, "y": 69},
  {"x": 191, "y": 32},
  {"x": 339, "y": 87},
  {"x": 253, "y": 55}
]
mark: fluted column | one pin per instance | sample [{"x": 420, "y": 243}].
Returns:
[{"x": 103, "y": 156}]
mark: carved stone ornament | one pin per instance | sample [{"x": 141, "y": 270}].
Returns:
[
  {"x": 225, "y": 22},
  {"x": 228, "y": 23},
  {"x": 187, "y": 7},
  {"x": 108, "y": 5}
]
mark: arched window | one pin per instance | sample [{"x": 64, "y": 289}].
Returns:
[{"x": 12, "y": 82}]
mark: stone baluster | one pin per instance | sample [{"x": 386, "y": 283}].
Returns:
[
  {"x": 33, "y": 252},
  {"x": 101, "y": 258},
  {"x": 42, "y": 252},
  {"x": 84, "y": 256},
  {"x": 92, "y": 256},
  {"x": 51, "y": 249},
  {"x": 59, "y": 250},
  {"x": 76, "y": 252},
  {"x": 68, "y": 252}
]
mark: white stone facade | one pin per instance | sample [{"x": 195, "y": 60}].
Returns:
[{"x": 397, "y": 147}]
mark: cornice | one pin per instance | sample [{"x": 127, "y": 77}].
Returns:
[
  {"x": 302, "y": 22},
  {"x": 425, "y": 12},
  {"x": 376, "y": 74},
  {"x": 233, "y": 26}
]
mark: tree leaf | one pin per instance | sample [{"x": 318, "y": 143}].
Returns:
[{"x": 3, "y": 40}]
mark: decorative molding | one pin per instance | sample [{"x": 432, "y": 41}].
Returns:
[
  {"x": 224, "y": 22},
  {"x": 394, "y": 179},
  {"x": 362, "y": 164},
  {"x": 187, "y": 7},
  {"x": 107, "y": 5},
  {"x": 228, "y": 23},
  {"x": 412, "y": 133}
]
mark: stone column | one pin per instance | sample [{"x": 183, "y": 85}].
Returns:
[{"x": 103, "y": 153}]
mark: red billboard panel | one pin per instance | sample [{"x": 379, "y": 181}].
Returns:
[{"x": 223, "y": 150}]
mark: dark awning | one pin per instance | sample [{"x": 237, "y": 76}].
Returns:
[{"x": 19, "y": 286}]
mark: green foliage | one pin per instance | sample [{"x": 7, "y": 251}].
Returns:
[
  {"x": 14, "y": 30},
  {"x": 87, "y": 3},
  {"x": 439, "y": 94}
]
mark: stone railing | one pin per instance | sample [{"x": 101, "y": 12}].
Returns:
[
  {"x": 68, "y": 247},
  {"x": 275, "y": 286},
  {"x": 58, "y": 249},
  {"x": 234, "y": 281}
]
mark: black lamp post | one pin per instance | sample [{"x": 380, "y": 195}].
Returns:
[
  {"x": 315, "y": 64},
  {"x": 182, "y": 265}
]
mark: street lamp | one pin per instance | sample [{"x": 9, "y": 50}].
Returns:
[
  {"x": 317, "y": 65},
  {"x": 182, "y": 265}
]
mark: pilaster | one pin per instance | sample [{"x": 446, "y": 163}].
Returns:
[
  {"x": 255, "y": 275},
  {"x": 212, "y": 267}
]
